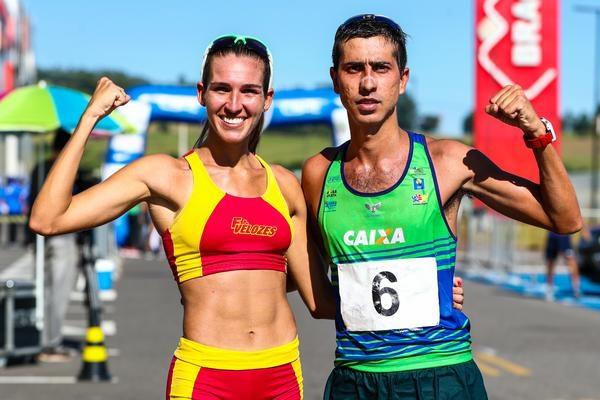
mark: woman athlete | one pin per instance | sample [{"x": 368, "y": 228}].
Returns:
[{"x": 232, "y": 225}]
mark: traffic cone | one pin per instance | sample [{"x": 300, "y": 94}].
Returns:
[{"x": 95, "y": 357}]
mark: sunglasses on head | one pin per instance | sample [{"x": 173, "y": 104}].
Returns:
[
  {"x": 249, "y": 42},
  {"x": 371, "y": 17}
]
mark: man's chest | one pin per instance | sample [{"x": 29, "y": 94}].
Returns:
[{"x": 373, "y": 179}]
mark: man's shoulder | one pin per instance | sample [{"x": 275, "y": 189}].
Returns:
[
  {"x": 453, "y": 159},
  {"x": 447, "y": 149},
  {"x": 318, "y": 163},
  {"x": 314, "y": 171}
]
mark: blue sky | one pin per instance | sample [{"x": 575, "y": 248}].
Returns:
[{"x": 162, "y": 40}]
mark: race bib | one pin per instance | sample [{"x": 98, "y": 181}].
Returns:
[{"x": 389, "y": 294}]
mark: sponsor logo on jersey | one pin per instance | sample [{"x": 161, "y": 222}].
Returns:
[
  {"x": 330, "y": 205},
  {"x": 373, "y": 237},
  {"x": 373, "y": 207},
  {"x": 415, "y": 171},
  {"x": 419, "y": 199},
  {"x": 334, "y": 179},
  {"x": 331, "y": 193},
  {"x": 241, "y": 226},
  {"x": 418, "y": 184}
]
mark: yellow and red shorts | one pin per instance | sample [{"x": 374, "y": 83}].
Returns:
[{"x": 204, "y": 372}]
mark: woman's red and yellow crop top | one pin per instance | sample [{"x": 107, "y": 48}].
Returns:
[{"x": 217, "y": 232}]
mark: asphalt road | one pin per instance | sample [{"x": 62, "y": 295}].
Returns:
[
  {"x": 526, "y": 349},
  {"x": 533, "y": 350}
]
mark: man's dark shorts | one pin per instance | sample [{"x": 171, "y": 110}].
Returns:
[
  {"x": 454, "y": 382},
  {"x": 558, "y": 244}
]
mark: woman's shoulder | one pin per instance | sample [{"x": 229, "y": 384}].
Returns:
[
  {"x": 282, "y": 173},
  {"x": 160, "y": 169},
  {"x": 160, "y": 162},
  {"x": 289, "y": 184}
]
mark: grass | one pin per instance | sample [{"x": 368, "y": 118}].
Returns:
[
  {"x": 576, "y": 152},
  {"x": 291, "y": 149},
  {"x": 288, "y": 147},
  {"x": 291, "y": 146},
  {"x": 93, "y": 158},
  {"x": 530, "y": 237}
]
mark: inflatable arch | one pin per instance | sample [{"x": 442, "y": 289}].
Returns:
[{"x": 179, "y": 104}]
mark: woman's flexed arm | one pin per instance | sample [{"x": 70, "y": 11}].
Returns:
[{"x": 56, "y": 210}]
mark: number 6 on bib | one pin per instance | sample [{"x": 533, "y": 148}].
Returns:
[{"x": 389, "y": 294}]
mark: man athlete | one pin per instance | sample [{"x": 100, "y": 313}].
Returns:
[
  {"x": 557, "y": 245},
  {"x": 386, "y": 205}
]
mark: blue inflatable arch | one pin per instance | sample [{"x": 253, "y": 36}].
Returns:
[{"x": 180, "y": 104}]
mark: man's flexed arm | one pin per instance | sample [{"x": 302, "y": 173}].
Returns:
[{"x": 552, "y": 204}]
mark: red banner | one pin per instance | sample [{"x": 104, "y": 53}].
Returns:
[{"x": 516, "y": 43}]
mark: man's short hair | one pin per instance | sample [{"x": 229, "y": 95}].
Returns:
[{"x": 367, "y": 26}]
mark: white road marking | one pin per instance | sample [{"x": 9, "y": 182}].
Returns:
[
  {"x": 109, "y": 327},
  {"x": 43, "y": 380}
]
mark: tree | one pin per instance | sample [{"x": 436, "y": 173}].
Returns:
[
  {"x": 182, "y": 80},
  {"x": 429, "y": 123},
  {"x": 468, "y": 124},
  {"x": 407, "y": 112},
  {"x": 85, "y": 80},
  {"x": 583, "y": 125},
  {"x": 567, "y": 122}
]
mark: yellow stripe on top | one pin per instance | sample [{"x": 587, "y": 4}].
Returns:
[
  {"x": 183, "y": 240},
  {"x": 274, "y": 196},
  {"x": 188, "y": 226},
  {"x": 213, "y": 357}
]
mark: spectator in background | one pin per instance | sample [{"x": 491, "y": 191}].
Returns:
[
  {"x": 154, "y": 243},
  {"x": 13, "y": 196},
  {"x": 139, "y": 220},
  {"x": 557, "y": 245},
  {"x": 60, "y": 267}
]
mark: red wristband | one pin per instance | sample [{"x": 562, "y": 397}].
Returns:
[
  {"x": 539, "y": 142},
  {"x": 542, "y": 141}
]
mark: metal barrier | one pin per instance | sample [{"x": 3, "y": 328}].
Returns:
[{"x": 488, "y": 240}]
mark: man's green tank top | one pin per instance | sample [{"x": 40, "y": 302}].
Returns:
[{"x": 392, "y": 258}]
